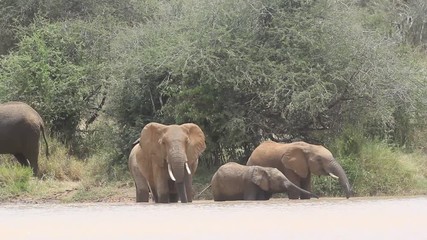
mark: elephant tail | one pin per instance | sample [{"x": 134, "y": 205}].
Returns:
[
  {"x": 45, "y": 141},
  {"x": 206, "y": 188}
]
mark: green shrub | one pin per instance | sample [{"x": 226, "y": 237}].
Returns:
[
  {"x": 378, "y": 170},
  {"x": 373, "y": 168},
  {"x": 416, "y": 162}
]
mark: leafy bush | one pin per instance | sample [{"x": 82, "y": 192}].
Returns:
[
  {"x": 373, "y": 168},
  {"x": 55, "y": 71},
  {"x": 244, "y": 70}
]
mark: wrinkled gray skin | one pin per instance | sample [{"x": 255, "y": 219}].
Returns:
[
  {"x": 20, "y": 130},
  {"x": 168, "y": 159},
  {"x": 233, "y": 181},
  {"x": 298, "y": 161}
]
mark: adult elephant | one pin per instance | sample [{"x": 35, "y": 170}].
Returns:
[
  {"x": 20, "y": 130},
  {"x": 141, "y": 184},
  {"x": 168, "y": 158},
  {"x": 233, "y": 181},
  {"x": 298, "y": 161}
]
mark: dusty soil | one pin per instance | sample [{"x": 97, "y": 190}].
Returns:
[{"x": 75, "y": 192}]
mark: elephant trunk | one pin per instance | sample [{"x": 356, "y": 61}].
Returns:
[
  {"x": 177, "y": 170},
  {"x": 290, "y": 186},
  {"x": 335, "y": 170},
  {"x": 182, "y": 192}
]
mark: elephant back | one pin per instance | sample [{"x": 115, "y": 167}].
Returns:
[
  {"x": 267, "y": 154},
  {"x": 18, "y": 112}
]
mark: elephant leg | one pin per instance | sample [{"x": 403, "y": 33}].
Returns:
[
  {"x": 22, "y": 159},
  {"x": 189, "y": 186},
  {"x": 141, "y": 186},
  {"x": 141, "y": 195},
  {"x": 154, "y": 195},
  {"x": 142, "y": 192},
  {"x": 306, "y": 185},
  {"x": 251, "y": 192},
  {"x": 162, "y": 186},
  {"x": 295, "y": 179},
  {"x": 264, "y": 195},
  {"x": 32, "y": 155}
]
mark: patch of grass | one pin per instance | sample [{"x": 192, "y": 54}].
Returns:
[
  {"x": 100, "y": 171},
  {"x": 378, "y": 171},
  {"x": 416, "y": 163},
  {"x": 374, "y": 168},
  {"x": 112, "y": 192},
  {"x": 60, "y": 165},
  {"x": 14, "y": 179}
]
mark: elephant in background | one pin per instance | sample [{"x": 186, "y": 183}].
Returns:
[
  {"x": 141, "y": 184},
  {"x": 20, "y": 130},
  {"x": 233, "y": 181},
  {"x": 167, "y": 159},
  {"x": 298, "y": 161}
]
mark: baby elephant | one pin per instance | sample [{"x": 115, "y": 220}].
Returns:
[{"x": 233, "y": 181}]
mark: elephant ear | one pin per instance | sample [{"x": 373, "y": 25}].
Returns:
[
  {"x": 196, "y": 141},
  {"x": 260, "y": 177},
  {"x": 295, "y": 159},
  {"x": 149, "y": 142}
]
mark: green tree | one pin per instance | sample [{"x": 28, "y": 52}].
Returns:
[
  {"x": 17, "y": 14},
  {"x": 245, "y": 70},
  {"x": 60, "y": 69}
]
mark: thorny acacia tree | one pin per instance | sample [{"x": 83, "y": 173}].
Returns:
[{"x": 245, "y": 70}]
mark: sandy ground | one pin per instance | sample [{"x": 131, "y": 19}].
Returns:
[{"x": 69, "y": 193}]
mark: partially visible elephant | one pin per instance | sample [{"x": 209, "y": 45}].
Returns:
[
  {"x": 141, "y": 184},
  {"x": 298, "y": 160},
  {"x": 168, "y": 159},
  {"x": 233, "y": 181},
  {"x": 20, "y": 129}
]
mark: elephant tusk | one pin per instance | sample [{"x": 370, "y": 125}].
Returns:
[
  {"x": 170, "y": 173},
  {"x": 188, "y": 168},
  {"x": 333, "y": 175}
]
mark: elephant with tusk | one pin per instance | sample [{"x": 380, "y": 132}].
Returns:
[
  {"x": 298, "y": 160},
  {"x": 165, "y": 160}
]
